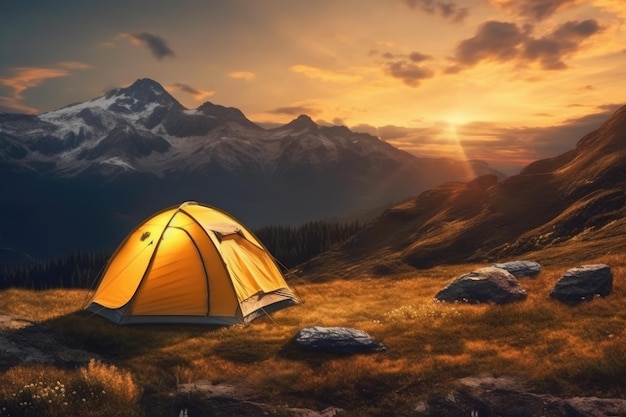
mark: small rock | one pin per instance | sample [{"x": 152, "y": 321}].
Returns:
[
  {"x": 336, "y": 340},
  {"x": 595, "y": 407}
]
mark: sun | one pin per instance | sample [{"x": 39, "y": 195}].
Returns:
[{"x": 456, "y": 119}]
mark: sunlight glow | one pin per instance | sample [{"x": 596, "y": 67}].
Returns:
[{"x": 455, "y": 119}]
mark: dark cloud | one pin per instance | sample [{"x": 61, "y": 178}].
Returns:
[
  {"x": 413, "y": 56},
  {"x": 535, "y": 9},
  {"x": 405, "y": 68},
  {"x": 610, "y": 108},
  {"x": 505, "y": 41},
  {"x": 494, "y": 40},
  {"x": 550, "y": 50},
  {"x": 446, "y": 9},
  {"x": 187, "y": 88},
  {"x": 418, "y": 57},
  {"x": 195, "y": 92},
  {"x": 157, "y": 45},
  {"x": 294, "y": 110},
  {"x": 408, "y": 72}
]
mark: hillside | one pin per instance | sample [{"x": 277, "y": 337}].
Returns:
[
  {"x": 550, "y": 355},
  {"x": 570, "y": 206}
]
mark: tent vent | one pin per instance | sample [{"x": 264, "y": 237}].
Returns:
[{"x": 221, "y": 235}]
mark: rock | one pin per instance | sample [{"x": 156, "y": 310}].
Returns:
[
  {"x": 595, "y": 407},
  {"x": 336, "y": 340},
  {"x": 240, "y": 399},
  {"x": 488, "y": 284},
  {"x": 520, "y": 268},
  {"x": 503, "y": 396},
  {"x": 583, "y": 283}
]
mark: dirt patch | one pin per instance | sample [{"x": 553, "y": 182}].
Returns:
[
  {"x": 23, "y": 341},
  {"x": 243, "y": 395},
  {"x": 488, "y": 396}
]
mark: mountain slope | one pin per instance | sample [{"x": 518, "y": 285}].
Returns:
[
  {"x": 572, "y": 205},
  {"x": 82, "y": 176}
]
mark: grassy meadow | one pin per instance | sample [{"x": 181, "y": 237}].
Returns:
[{"x": 553, "y": 347}]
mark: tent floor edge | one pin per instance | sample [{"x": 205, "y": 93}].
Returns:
[{"x": 268, "y": 309}]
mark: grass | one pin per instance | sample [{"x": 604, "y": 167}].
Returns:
[{"x": 553, "y": 347}]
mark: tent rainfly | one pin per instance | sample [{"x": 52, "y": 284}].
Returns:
[{"x": 190, "y": 264}]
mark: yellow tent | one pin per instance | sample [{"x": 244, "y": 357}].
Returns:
[{"x": 190, "y": 264}]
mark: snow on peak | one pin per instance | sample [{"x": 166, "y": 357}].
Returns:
[{"x": 117, "y": 161}]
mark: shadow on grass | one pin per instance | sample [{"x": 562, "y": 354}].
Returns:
[
  {"x": 75, "y": 338},
  {"x": 314, "y": 359},
  {"x": 84, "y": 330}
]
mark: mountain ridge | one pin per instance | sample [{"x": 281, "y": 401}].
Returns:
[
  {"x": 572, "y": 205},
  {"x": 135, "y": 150}
]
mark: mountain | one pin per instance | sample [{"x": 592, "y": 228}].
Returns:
[
  {"x": 83, "y": 176},
  {"x": 568, "y": 207}
]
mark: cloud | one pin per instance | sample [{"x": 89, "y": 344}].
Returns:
[
  {"x": 615, "y": 7},
  {"x": 197, "y": 94},
  {"x": 550, "y": 50},
  {"x": 157, "y": 45},
  {"x": 418, "y": 57},
  {"x": 405, "y": 67},
  {"x": 74, "y": 65},
  {"x": 243, "y": 75},
  {"x": 505, "y": 41},
  {"x": 21, "y": 79},
  {"x": 409, "y": 73},
  {"x": 322, "y": 74},
  {"x": 446, "y": 9},
  {"x": 295, "y": 110},
  {"x": 494, "y": 40},
  {"x": 389, "y": 132},
  {"x": 365, "y": 128},
  {"x": 503, "y": 147},
  {"x": 11, "y": 105},
  {"x": 534, "y": 9},
  {"x": 533, "y": 143}
]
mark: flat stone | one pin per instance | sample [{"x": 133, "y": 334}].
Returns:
[
  {"x": 336, "y": 340},
  {"x": 520, "y": 268}
]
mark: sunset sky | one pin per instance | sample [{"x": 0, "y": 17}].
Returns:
[{"x": 505, "y": 81}]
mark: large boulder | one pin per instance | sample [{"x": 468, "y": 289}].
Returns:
[
  {"x": 583, "y": 283},
  {"x": 483, "y": 285},
  {"x": 336, "y": 340},
  {"x": 520, "y": 268}
]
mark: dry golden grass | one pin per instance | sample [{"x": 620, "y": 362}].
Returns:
[
  {"x": 46, "y": 391},
  {"x": 555, "y": 348},
  {"x": 41, "y": 305},
  {"x": 120, "y": 381}
]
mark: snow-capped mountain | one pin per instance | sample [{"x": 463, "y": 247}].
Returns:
[{"x": 136, "y": 150}]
